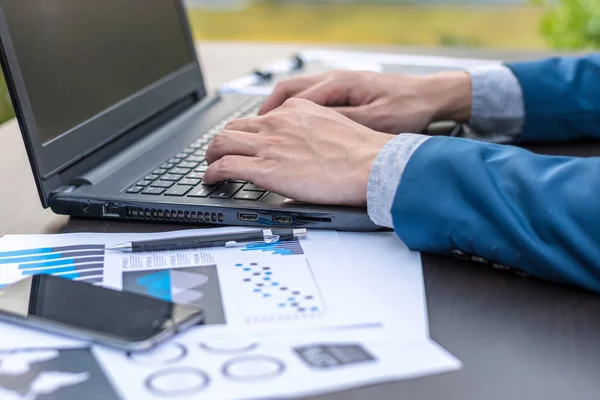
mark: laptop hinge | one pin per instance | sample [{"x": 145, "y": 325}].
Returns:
[{"x": 60, "y": 190}]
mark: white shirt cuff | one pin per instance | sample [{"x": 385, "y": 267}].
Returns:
[
  {"x": 386, "y": 174},
  {"x": 498, "y": 110}
]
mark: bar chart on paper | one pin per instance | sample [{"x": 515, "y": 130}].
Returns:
[
  {"x": 81, "y": 263},
  {"x": 284, "y": 248}
]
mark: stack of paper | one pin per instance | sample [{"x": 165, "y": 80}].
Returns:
[{"x": 332, "y": 312}]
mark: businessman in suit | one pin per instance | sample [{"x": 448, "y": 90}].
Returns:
[{"x": 332, "y": 139}]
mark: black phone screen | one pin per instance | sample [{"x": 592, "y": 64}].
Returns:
[{"x": 81, "y": 306}]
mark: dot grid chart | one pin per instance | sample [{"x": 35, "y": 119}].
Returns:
[
  {"x": 284, "y": 292},
  {"x": 292, "y": 285}
]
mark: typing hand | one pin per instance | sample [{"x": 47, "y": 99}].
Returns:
[
  {"x": 300, "y": 150},
  {"x": 389, "y": 103}
]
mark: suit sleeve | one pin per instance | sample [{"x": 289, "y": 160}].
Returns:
[
  {"x": 537, "y": 213},
  {"x": 561, "y": 98}
]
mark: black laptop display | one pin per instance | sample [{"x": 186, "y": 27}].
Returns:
[{"x": 115, "y": 117}]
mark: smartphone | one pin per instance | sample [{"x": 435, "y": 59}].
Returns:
[{"x": 123, "y": 320}]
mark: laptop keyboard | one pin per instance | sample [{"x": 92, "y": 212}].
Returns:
[{"x": 181, "y": 175}]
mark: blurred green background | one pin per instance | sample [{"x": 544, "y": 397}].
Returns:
[{"x": 508, "y": 24}]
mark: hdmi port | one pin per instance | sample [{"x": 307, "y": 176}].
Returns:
[{"x": 248, "y": 216}]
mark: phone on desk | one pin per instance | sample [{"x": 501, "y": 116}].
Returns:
[{"x": 127, "y": 321}]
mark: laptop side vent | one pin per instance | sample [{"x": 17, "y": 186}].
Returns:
[{"x": 161, "y": 214}]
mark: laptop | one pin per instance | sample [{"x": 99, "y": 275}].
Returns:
[{"x": 116, "y": 119}]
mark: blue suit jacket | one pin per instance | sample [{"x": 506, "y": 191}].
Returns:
[{"x": 537, "y": 213}]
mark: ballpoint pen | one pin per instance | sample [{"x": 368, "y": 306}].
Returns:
[{"x": 266, "y": 236}]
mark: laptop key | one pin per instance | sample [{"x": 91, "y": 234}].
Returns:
[
  {"x": 201, "y": 168},
  {"x": 153, "y": 190},
  {"x": 226, "y": 190},
  {"x": 195, "y": 175},
  {"x": 252, "y": 196},
  {"x": 180, "y": 171},
  {"x": 167, "y": 165},
  {"x": 251, "y": 187},
  {"x": 144, "y": 183},
  {"x": 182, "y": 155},
  {"x": 189, "y": 182},
  {"x": 171, "y": 177},
  {"x": 163, "y": 184},
  {"x": 152, "y": 177},
  {"x": 187, "y": 151},
  {"x": 195, "y": 159},
  {"x": 178, "y": 190},
  {"x": 202, "y": 191},
  {"x": 135, "y": 189},
  {"x": 159, "y": 171},
  {"x": 188, "y": 164},
  {"x": 175, "y": 160}
]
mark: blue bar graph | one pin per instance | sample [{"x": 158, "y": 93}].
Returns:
[
  {"x": 46, "y": 250},
  {"x": 284, "y": 248},
  {"x": 13, "y": 260},
  {"x": 25, "y": 252},
  {"x": 48, "y": 271},
  {"x": 64, "y": 261},
  {"x": 54, "y": 263},
  {"x": 81, "y": 262}
]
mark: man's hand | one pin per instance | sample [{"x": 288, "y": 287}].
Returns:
[
  {"x": 389, "y": 103},
  {"x": 300, "y": 150}
]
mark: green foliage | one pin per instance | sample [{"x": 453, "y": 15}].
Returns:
[
  {"x": 572, "y": 24},
  {"x": 6, "y": 110}
]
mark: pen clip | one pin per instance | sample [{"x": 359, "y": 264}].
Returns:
[{"x": 268, "y": 240}]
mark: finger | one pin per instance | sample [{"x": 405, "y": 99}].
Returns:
[
  {"x": 233, "y": 167},
  {"x": 250, "y": 124},
  {"x": 232, "y": 143},
  {"x": 326, "y": 93},
  {"x": 287, "y": 89}
]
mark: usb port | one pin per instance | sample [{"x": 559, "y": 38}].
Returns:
[
  {"x": 111, "y": 210},
  {"x": 248, "y": 217},
  {"x": 282, "y": 219}
]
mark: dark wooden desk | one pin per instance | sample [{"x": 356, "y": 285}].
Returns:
[{"x": 518, "y": 338}]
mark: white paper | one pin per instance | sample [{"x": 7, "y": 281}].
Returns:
[
  {"x": 352, "y": 57},
  {"x": 394, "y": 276},
  {"x": 258, "y": 290},
  {"x": 370, "y": 323},
  {"x": 14, "y": 336},
  {"x": 351, "y": 61},
  {"x": 271, "y": 367},
  {"x": 194, "y": 365}
]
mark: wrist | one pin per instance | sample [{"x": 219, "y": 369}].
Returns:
[
  {"x": 386, "y": 174},
  {"x": 449, "y": 95}
]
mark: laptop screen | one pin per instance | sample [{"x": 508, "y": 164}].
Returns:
[{"x": 78, "y": 59}]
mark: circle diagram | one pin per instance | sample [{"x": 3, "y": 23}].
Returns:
[
  {"x": 177, "y": 382},
  {"x": 253, "y": 368},
  {"x": 227, "y": 347},
  {"x": 167, "y": 354}
]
